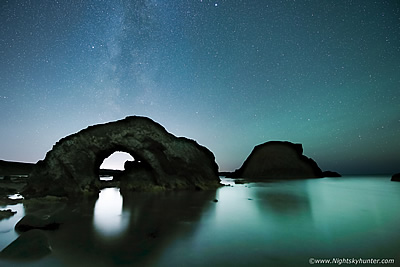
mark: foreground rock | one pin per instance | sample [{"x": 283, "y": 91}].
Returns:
[
  {"x": 31, "y": 245},
  {"x": 278, "y": 160},
  {"x": 163, "y": 161},
  {"x": 396, "y": 177},
  {"x": 30, "y": 222}
]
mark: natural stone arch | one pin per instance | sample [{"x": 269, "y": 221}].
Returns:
[{"x": 168, "y": 162}]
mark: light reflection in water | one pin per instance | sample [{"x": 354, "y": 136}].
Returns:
[{"x": 110, "y": 220}]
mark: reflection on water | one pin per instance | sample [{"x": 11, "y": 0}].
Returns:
[
  {"x": 7, "y": 232},
  {"x": 132, "y": 229},
  {"x": 110, "y": 220},
  {"x": 259, "y": 224},
  {"x": 15, "y": 196},
  {"x": 284, "y": 201},
  {"x": 285, "y": 223}
]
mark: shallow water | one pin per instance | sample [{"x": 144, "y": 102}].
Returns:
[{"x": 281, "y": 223}]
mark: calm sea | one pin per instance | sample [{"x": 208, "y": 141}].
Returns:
[{"x": 283, "y": 223}]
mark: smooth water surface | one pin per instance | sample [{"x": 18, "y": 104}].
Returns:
[
  {"x": 7, "y": 233},
  {"x": 282, "y": 223},
  {"x": 287, "y": 222}
]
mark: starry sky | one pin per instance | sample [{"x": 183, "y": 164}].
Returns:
[{"x": 230, "y": 74}]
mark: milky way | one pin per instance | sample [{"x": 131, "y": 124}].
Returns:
[{"x": 229, "y": 74}]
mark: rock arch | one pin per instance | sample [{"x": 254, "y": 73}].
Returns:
[{"x": 166, "y": 162}]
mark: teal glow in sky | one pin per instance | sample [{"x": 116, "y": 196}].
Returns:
[{"x": 229, "y": 74}]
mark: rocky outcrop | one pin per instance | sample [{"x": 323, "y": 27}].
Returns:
[
  {"x": 31, "y": 245},
  {"x": 15, "y": 168},
  {"x": 331, "y": 174},
  {"x": 162, "y": 161},
  {"x": 278, "y": 160},
  {"x": 396, "y": 177},
  {"x": 29, "y": 222}
]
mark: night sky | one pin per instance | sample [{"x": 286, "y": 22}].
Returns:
[{"x": 229, "y": 74}]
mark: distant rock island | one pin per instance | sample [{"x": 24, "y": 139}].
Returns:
[
  {"x": 278, "y": 160},
  {"x": 162, "y": 161},
  {"x": 396, "y": 177},
  {"x": 331, "y": 174}
]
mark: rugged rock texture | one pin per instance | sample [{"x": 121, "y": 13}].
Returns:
[
  {"x": 30, "y": 222},
  {"x": 396, "y": 177},
  {"x": 31, "y": 245},
  {"x": 331, "y": 174},
  {"x": 162, "y": 161},
  {"x": 278, "y": 160}
]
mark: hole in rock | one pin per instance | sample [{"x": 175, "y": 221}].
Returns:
[{"x": 114, "y": 164}]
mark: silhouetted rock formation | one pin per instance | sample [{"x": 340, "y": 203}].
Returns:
[
  {"x": 331, "y": 174},
  {"x": 15, "y": 168},
  {"x": 163, "y": 161},
  {"x": 278, "y": 160},
  {"x": 29, "y": 222},
  {"x": 396, "y": 177}
]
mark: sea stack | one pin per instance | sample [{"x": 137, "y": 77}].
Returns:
[
  {"x": 278, "y": 160},
  {"x": 396, "y": 177},
  {"x": 163, "y": 161},
  {"x": 331, "y": 174}
]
